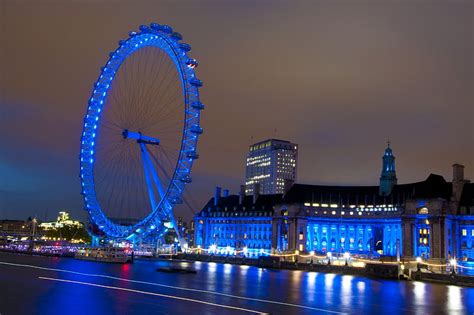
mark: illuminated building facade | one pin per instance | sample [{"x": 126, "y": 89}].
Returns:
[
  {"x": 271, "y": 164},
  {"x": 440, "y": 224},
  {"x": 237, "y": 222},
  {"x": 432, "y": 219},
  {"x": 62, "y": 220}
]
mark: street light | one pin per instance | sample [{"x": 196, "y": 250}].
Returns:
[
  {"x": 418, "y": 264},
  {"x": 453, "y": 266},
  {"x": 329, "y": 255},
  {"x": 347, "y": 255},
  {"x": 212, "y": 248}
]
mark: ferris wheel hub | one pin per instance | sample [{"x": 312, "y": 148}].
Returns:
[{"x": 141, "y": 138}]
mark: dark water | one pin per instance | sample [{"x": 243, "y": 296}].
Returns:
[{"x": 250, "y": 289}]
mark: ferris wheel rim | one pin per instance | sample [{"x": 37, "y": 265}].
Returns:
[{"x": 160, "y": 36}]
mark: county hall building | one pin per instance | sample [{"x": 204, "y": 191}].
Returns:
[{"x": 433, "y": 218}]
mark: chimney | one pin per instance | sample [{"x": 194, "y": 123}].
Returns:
[
  {"x": 458, "y": 181},
  {"x": 217, "y": 195},
  {"x": 225, "y": 193},
  {"x": 458, "y": 172},
  {"x": 256, "y": 192},
  {"x": 241, "y": 194},
  {"x": 288, "y": 184}
]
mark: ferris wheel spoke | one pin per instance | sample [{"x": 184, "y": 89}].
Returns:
[{"x": 150, "y": 175}]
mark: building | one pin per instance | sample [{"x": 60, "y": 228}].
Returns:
[
  {"x": 237, "y": 222},
  {"x": 270, "y": 165},
  {"x": 15, "y": 227},
  {"x": 433, "y": 218},
  {"x": 62, "y": 220}
]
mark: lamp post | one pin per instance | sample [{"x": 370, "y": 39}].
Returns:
[
  {"x": 347, "y": 255},
  {"x": 212, "y": 248},
  {"x": 329, "y": 255},
  {"x": 418, "y": 264},
  {"x": 312, "y": 255},
  {"x": 453, "y": 266}
]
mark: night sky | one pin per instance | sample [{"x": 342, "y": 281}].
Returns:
[{"x": 337, "y": 77}]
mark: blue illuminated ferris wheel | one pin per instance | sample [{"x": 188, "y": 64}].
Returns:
[{"x": 140, "y": 135}]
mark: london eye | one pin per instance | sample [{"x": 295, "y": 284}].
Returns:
[{"x": 140, "y": 135}]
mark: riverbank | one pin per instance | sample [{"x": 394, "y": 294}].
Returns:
[
  {"x": 370, "y": 270},
  {"x": 59, "y": 285}
]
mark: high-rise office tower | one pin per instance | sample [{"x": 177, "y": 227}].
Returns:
[{"x": 272, "y": 164}]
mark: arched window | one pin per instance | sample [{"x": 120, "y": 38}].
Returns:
[{"x": 333, "y": 244}]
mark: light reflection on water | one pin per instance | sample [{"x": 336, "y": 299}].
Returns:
[
  {"x": 310, "y": 285},
  {"x": 346, "y": 290},
  {"x": 328, "y": 287},
  {"x": 227, "y": 269},
  {"x": 361, "y": 287},
  {"x": 243, "y": 270},
  {"x": 352, "y": 294},
  {"x": 454, "y": 299},
  {"x": 419, "y": 292}
]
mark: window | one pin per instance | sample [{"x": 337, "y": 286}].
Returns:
[
  {"x": 464, "y": 232},
  {"x": 301, "y": 247}
]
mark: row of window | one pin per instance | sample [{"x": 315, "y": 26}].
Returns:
[
  {"x": 464, "y": 232},
  {"x": 259, "y": 228}
]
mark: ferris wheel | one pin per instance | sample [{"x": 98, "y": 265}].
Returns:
[{"x": 140, "y": 135}]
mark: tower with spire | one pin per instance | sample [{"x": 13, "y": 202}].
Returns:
[{"x": 388, "y": 178}]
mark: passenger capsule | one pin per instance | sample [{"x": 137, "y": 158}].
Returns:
[
  {"x": 185, "y": 179},
  {"x": 198, "y": 105},
  {"x": 192, "y": 63},
  {"x": 196, "y": 82},
  {"x": 155, "y": 26},
  {"x": 176, "y": 201},
  {"x": 185, "y": 47},
  {"x": 166, "y": 29},
  {"x": 144, "y": 28},
  {"x": 192, "y": 155},
  {"x": 176, "y": 36},
  {"x": 196, "y": 129}
]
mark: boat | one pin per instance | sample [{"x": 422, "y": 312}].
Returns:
[
  {"x": 105, "y": 254},
  {"x": 176, "y": 270}
]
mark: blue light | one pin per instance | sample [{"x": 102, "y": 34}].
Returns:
[{"x": 114, "y": 62}]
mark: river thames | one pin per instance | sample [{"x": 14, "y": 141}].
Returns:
[{"x": 47, "y": 285}]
